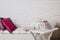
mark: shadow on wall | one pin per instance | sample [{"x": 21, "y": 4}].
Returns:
[{"x": 56, "y": 34}]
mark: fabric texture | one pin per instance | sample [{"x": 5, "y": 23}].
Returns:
[
  {"x": 1, "y": 25},
  {"x": 9, "y": 25}
]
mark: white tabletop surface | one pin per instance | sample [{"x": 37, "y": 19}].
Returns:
[{"x": 43, "y": 31}]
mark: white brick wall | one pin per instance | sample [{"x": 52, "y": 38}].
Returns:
[{"x": 30, "y": 9}]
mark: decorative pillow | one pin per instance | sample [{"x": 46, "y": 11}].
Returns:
[
  {"x": 9, "y": 25},
  {"x": 1, "y": 25}
]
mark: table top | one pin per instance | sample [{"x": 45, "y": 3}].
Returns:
[{"x": 43, "y": 31}]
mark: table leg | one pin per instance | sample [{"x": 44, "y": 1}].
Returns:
[{"x": 34, "y": 36}]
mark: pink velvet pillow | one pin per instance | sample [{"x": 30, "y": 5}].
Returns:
[
  {"x": 9, "y": 25},
  {"x": 1, "y": 25}
]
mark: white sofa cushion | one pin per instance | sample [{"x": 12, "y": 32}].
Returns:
[{"x": 18, "y": 30}]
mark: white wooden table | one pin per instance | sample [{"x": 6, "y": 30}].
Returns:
[{"x": 45, "y": 34}]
